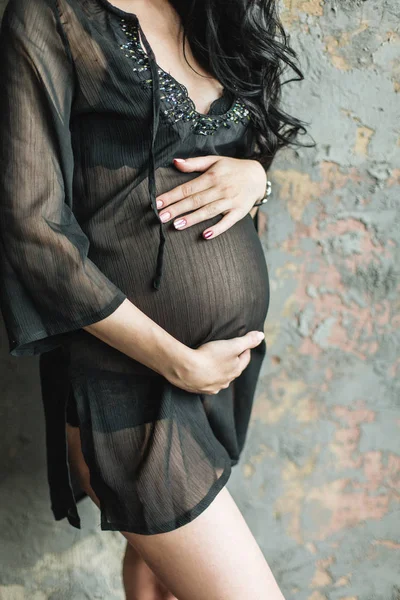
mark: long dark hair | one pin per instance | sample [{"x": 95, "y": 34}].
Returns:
[{"x": 244, "y": 45}]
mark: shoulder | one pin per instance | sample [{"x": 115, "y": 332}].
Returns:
[
  {"x": 34, "y": 25},
  {"x": 30, "y": 15},
  {"x": 32, "y": 33}
]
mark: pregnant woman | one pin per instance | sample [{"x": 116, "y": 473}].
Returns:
[{"x": 138, "y": 276}]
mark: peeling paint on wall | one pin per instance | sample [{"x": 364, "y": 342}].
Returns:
[{"x": 327, "y": 417}]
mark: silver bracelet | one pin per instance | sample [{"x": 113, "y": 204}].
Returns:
[{"x": 268, "y": 190}]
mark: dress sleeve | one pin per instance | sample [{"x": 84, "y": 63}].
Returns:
[{"x": 49, "y": 286}]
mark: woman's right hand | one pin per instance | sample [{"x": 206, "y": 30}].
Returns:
[{"x": 214, "y": 365}]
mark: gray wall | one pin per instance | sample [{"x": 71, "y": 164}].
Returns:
[{"x": 319, "y": 481}]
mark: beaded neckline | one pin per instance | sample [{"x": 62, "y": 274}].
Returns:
[{"x": 177, "y": 104}]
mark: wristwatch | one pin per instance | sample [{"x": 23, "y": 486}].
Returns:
[{"x": 268, "y": 190}]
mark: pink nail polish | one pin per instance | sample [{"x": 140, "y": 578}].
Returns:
[
  {"x": 159, "y": 203},
  {"x": 207, "y": 234},
  {"x": 164, "y": 217},
  {"x": 179, "y": 159},
  {"x": 180, "y": 223}
]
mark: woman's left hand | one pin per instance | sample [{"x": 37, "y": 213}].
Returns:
[{"x": 228, "y": 186}]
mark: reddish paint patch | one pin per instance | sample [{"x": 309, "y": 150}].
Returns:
[
  {"x": 354, "y": 417},
  {"x": 373, "y": 470},
  {"x": 348, "y": 509}
]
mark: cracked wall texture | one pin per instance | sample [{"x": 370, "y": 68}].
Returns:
[{"x": 319, "y": 480}]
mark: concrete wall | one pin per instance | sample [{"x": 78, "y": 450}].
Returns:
[{"x": 319, "y": 481}]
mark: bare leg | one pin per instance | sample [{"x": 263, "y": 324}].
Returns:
[
  {"x": 140, "y": 583},
  {"x": 139, "y": 580},
  {"x": 215, "y": 557}
]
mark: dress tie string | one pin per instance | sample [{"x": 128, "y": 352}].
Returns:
[{"x": 151, "y": 180}]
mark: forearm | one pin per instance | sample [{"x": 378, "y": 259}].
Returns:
[{"x": 132, "y": 332}]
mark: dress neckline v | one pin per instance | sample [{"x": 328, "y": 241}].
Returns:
[
  {"x": 169, "y": 99},
  {"x": 119, "y": 11},
  {"x": 132, "y": 17}
]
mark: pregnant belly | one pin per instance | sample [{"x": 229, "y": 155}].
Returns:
[{"x": 210, "y": 289}]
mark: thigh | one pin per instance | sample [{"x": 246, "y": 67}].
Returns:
[{"x": 214, "y": 557}]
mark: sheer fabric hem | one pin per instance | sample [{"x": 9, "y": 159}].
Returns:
[
  {"x": 184, "y": 519},
  {"x": 43, "y": 341}
]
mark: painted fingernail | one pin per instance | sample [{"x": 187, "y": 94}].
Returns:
[
  {"x": 159, "y": 203},
  {"x": 179, "y": 159},
  {"x": 180, "y": 223},
  {"x": 207, "y": 234},
  {"x": 165, "y": 216}
]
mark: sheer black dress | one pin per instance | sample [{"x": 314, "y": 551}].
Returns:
[{"x": 89, "y": 126}]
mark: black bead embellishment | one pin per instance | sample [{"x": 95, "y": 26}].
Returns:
[{"x": 175, "y": 101}]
